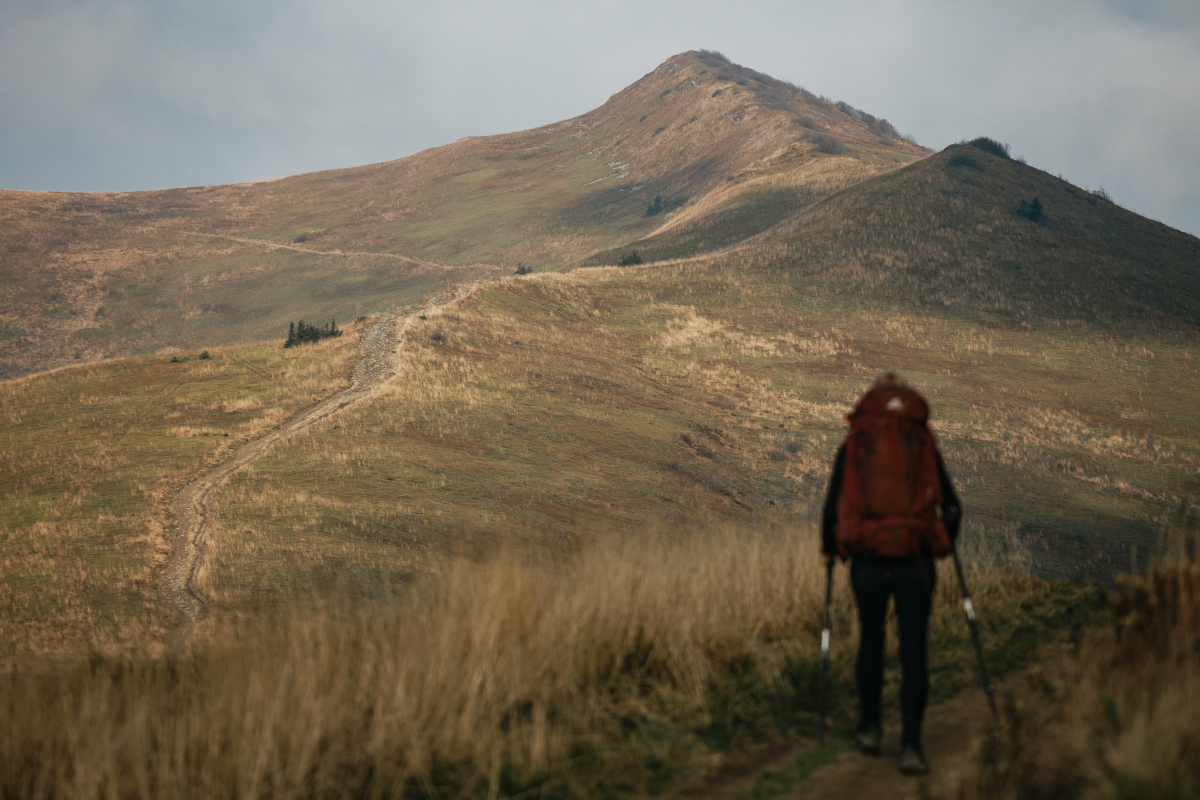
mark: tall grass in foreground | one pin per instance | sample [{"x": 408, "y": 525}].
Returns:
[
  {"x": 1126, "y": 723},
  {"x": 609, "y": 671}
]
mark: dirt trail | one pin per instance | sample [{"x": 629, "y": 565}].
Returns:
[
  {"x": 379, "y": 346},
  {"x": 952, "y": 731}
]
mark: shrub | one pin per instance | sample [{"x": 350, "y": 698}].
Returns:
[
  {"x": 989, "y": 145},
  {"x": 807, "y": 123},
  {"x": 437, "y": 337},
  {"x": 717, "y": 92},
  {"x": 713, "y": 58},
  {"x": 777, "y": 454},
  {"x": 829, "y": 144},
  {"x": 301, "y": 239},
  {"x": 848, "y": 109},
  {"x": 659, "y": 130},
  {"x": 661, "y": 206},
  {"x": 302, "y": 333},
  {"x": 1103, "y": 195},
  {"x": 205, "y": 356},
  {"x": 1031, "y": 211},
  {"x": 630, "y": 258},
  {"x": 523, "y": 270},
  {"x": 1116, "y": 724}
]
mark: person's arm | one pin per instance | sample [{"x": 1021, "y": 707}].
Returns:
[
  {"x": 829, "y": 513},
  {"x": 951, "y": 510}
]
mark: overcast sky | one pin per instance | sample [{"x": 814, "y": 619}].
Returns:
[{"x": 106, "y": 95}]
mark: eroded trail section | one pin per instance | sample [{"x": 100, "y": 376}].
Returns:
[{"x": 379, "y": 347}]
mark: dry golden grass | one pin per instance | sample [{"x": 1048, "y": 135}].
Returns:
[
  {"x": 1123, "y": 722},
  {"x": 609, "y": 669}
]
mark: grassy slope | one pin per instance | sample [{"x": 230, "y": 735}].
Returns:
[
  {"x": 92, "y": 460},
  {"x": 88, "y": 276},
  {"x": 546, "y": 408},
  {"x": 665, "y": 393},
  {"x": 941, "y": 233}
]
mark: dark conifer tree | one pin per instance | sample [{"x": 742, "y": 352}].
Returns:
[
  {"x": 1035, "y": 210},
  {"x": 301, "y": 332}
]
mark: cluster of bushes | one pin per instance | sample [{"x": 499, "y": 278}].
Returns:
[
  {"x": 989, "y": 145},
  {"x": 1031, "y": 211},
  {"x": 203, "y": 357},
  {"x": 829, "y": 144},
  {"x": 713, "y": 58},
  {"x": 523, "y": 270},
  {"x": 630, "y": 258},
  {"x": 661, "y": 206},
  {"x": 301, "y": 332}
]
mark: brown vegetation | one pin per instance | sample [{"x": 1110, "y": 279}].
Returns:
[
  {"x": 1123, "y": 721},
  {"x": 611, "y": 667}
]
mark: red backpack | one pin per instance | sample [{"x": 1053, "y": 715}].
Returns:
[{"x": 890, "y": 493}]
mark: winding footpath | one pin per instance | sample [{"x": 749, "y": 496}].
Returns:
[{"x": 379, "y": 346}]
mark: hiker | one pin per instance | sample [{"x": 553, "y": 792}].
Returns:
[{"x": 892, "y": 510}]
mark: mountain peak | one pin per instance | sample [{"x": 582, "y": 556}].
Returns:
[{"x": 703, "y": 149}]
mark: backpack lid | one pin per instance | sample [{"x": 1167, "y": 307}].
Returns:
[{"x": 889, "y": 400}]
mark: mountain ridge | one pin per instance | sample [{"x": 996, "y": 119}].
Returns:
[
  {"x": 127, "y": 277},
  {"x": 736, "y": 158}
]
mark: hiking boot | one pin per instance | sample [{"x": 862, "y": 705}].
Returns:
[
  {"x": 868, "y": 739},
  {"x": 912, "y": 760}
]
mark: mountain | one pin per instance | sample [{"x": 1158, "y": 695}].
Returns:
[
  {"x": 730, "y": 152},
  {"x": 700, "y": 156}
]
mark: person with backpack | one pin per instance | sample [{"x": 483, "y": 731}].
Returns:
[{"x": 891, "y": 510}]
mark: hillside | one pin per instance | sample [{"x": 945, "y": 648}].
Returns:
[
  {"x": 947, "y": 232},
  {"x": 88, "y": 276}
]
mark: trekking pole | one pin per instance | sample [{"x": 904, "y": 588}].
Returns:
[
  {"x": 825, "y": 652},
  {"x": 988, "y": 686}
]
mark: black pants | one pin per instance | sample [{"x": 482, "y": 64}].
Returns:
[{"x": 911, "y": 581}]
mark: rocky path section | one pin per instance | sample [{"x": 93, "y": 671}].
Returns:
[{"x": 379, "y": 346}]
